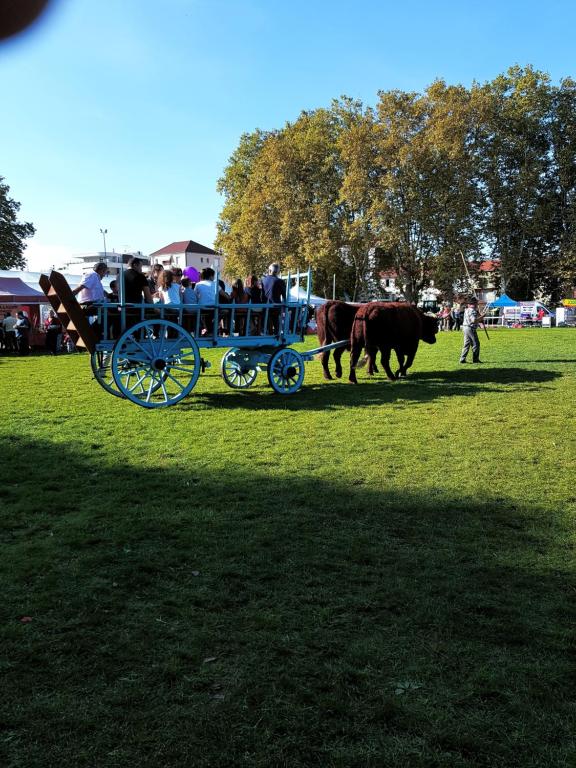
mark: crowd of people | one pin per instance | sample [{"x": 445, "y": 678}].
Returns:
[
  {"x": 14, "y": 333},
  {"x": 450, "y": 317},
  {"x": 171, "y": 288},
  {"x": 16, "y": 328}
]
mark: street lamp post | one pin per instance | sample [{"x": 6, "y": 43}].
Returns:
[{"x": 103, "y": 233}]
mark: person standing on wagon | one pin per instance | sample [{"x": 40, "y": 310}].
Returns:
[
  {"x": 472, "y": 318},
  {"x": 136, "y": 288},
  {"x": 274, "y": 290},
  {"x": 205, "y": 291},
  {"x": 91, "y": 291}
]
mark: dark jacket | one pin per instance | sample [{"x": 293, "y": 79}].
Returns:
[{"x": 274, "y": 289}]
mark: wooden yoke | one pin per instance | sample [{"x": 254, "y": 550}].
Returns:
[{"x": 71, "y": 314}]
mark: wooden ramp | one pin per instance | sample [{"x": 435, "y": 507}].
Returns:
[{"x": 71, "y": 314}]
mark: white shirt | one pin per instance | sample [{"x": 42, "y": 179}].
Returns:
[
  {"x": 470, "y": 317},
  {"x": 9, "y": 323},
  {"x": 93, "y": 289},
  {"x": 206, "y": 292}
]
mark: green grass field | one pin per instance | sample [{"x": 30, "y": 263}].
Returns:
[{"x": 380, "y": 575}]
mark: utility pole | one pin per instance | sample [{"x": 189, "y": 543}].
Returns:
[{"x": 103, "y": 233}]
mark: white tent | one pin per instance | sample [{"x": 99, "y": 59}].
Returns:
[{"x": 302, "y": 295}]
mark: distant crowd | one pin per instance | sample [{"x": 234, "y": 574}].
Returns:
[
  {"x": 14, "y": 333},
  {"x": 16, "y": 329}
]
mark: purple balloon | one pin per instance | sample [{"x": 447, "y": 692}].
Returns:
[{"x": 192, "y": 274}]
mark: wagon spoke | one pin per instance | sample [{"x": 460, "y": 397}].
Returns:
[
  {"x": 172, "y": 346},
  {"x": 139, "y": 381},
  {"x": 169, "y": 376},
  {"x": 144, "y": 351},
  {"x": 163, "y": 385},
  {"x": 149, "y": 393},
  {"x": 156, "y": 349},
  {"x": 181, "y": 368}
]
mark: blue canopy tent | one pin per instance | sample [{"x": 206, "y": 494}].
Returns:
[{"x": 502, "y": 301}]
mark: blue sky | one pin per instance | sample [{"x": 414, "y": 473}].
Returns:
[{"x": 122, "y": 114}]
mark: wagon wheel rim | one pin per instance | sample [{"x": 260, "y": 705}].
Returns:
[
  {"x": 286, "y": 371},
  {"x": 155, "y": 363},
  {"x": 101, "y": 364},
  {"x": 235, "y": 374}
]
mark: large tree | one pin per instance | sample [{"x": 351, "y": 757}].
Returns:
[
  {"x": 561, "y": 273},
  {"x": 517, "y": 177},
  {"x": 410, "y": 174},
  {"x": 235, "y": 236},
  {"x": 282, "y": 193},
  {"x": 13, "y": 233}
]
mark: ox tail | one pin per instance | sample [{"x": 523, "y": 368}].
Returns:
[
  {"x": 358, "y": 335},
  {"x": 321, "y": 325},
  {"x": 321, "y": 329}
]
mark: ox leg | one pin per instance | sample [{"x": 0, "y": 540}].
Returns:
[
  {"x": 409, "y": 360},
  {"x": 325, "y": 358},
  {"x": 385, "y": 358},
  {"x": 338, "y": 361},
  {"x": 355, "y": 352},
  {"x": 400, "y": 357},
  {"x": 371, "y": 353}
]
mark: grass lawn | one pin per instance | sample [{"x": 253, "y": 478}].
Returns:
[{"x": 380, "y": 575}]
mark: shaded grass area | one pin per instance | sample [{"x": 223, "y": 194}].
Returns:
[{"x": 379, "y": 575}]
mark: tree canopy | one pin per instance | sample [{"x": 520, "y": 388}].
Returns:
[
  {"x": 413, "y": 184},
  {"x": 13, "y": 233}
]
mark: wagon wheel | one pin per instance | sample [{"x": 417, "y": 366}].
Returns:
[
  {"x": 102, "y": 370},
  {"x": 101, "y": 364},
  {"x": 236, "y": 369},
  {"x": 155, "y": 363},
  {"x": 286, "y": 371}
]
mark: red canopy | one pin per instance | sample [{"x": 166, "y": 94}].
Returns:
[{"x": 15, "y": 291}]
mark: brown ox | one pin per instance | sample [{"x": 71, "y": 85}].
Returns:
[
  {"x": 334, "y": 323},
  {"x": 386, "y": 327}
]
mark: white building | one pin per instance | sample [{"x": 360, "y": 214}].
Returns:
[
  {"x": 392, "y": 291},
  {"x": 84, "y": 262},
  {"x": 187, "y": 253}
]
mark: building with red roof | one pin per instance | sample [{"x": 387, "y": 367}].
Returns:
[
  {"x": 487, "y": 277},
  {"x": 188, "y": 253}
]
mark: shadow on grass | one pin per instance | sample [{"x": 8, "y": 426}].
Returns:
[
  {"x": 424, "y": 386},
  {"x": 549, "y": 360},
  {"x": 179, "y": 617}
]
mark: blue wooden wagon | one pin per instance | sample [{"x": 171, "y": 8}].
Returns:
[{"x": 150, "y": 354}]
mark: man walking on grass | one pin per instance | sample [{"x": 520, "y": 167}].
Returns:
[{"x": 469, "y": 325}]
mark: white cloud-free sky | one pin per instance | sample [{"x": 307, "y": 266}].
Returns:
[{"x": 122, "y": 114}]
